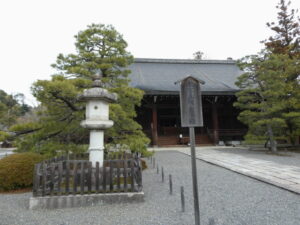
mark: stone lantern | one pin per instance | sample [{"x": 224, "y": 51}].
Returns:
[{"x": 97, "y": 112}]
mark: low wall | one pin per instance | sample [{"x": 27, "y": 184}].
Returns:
[{"x": 70, "y": 201}]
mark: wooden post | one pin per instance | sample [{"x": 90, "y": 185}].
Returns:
[
  {"x": 170, "y": 184},
  {"x": 44, "y": 177},
  {"x": 118, "y": 175},
  {"x": 215, "y": 123},
  {"x": 154, "y": 125},
  {"x": 104, "y": 178},
  {"x": 111, "y": 186},
  {"x": 97, "y": 177},
  {"x": 67, "y": 188},
  {"x": 75, "y": 177},
  {"x": 52, "y": 171},
  {"x": 36, "y": 179},
  {"x": 125, "y": 175},
  {"x": 182, "y": 199},
  {"x": 60, "y": 172},
  {"x": 82, "y": 178},
  {"x": 132, "y": 175},
  {"x": 89, "y": 177}
]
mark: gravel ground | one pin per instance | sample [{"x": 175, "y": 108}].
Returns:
[{"x": 228, "y": 197}]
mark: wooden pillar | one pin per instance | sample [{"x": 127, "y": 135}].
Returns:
[
  {"x": 154, "y": 125},
  {"x": 215, "y": 123}
]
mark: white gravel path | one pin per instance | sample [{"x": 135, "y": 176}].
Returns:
[{"x": 228, "y": 197}]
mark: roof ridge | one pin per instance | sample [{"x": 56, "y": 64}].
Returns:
[{"x": 184, "y": 61}]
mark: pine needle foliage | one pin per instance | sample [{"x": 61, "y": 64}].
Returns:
[
  {"x": 99, "y": 49},
  {"x": 270, "y": 87}
]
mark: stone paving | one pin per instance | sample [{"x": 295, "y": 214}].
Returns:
[{"x": 284, "y": 176}]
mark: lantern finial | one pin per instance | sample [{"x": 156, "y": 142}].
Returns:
[{"x": 97, "y": 80}]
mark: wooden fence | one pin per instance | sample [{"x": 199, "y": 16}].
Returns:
[{"x": 65, "y": 175}]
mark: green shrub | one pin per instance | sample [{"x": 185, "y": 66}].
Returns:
[{"x": 16, "y": 171}]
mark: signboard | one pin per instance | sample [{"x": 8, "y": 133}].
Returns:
[
  {"x": 191, "y": 103},
  {"x": 191, "y": 116}
]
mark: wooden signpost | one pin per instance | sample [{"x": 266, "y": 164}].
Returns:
[{"x": 192, "y": 116}]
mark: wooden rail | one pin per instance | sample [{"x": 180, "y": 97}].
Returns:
[{"x": 63, "y": 176}]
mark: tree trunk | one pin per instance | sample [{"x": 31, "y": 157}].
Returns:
[{"x": 273, "y": 143}]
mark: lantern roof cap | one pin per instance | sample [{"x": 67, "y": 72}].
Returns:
[{"x": 97, "y": 93}]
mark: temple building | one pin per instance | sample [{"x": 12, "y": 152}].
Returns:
[{"x": 159, "y": 113}]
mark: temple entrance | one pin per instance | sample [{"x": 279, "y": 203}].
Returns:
[{"x": 160, "y": 119}]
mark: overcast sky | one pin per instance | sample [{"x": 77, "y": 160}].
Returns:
[{"x": 34, "y": 32}]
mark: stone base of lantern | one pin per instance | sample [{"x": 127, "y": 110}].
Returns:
[
  {"x": 96, "y": 155},
  {"x": 96, "y": 147}
]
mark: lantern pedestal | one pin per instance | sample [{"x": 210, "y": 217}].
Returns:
[{"x": 96, "y": 147}]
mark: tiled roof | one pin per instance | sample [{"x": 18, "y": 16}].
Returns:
[{"x": 157, "y": 76}]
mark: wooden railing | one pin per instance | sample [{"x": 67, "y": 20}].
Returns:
[{"x": 65, "y": 176}]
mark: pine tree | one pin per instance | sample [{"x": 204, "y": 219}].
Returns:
[
  {"x": 287, "y": 32},
  {"x": 269, "y": 96},
  {"x": 286, "y": 41},
  {"x": 100, "y": 49}
]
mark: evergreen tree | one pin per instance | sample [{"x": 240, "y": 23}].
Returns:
[
  {"x": 287, "y": 32},
  {"x": 100, "y": 49},
  {"x": 269, "y": 96},
  {"x": 11, "y": 107},
  {"x": 286, "y": 41}
]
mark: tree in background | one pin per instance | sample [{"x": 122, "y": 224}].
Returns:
[
  {"x": 269, "y": 96},
  {"x": 12, "y": 107},
  {"x": 100, "y": 49},
  {"x": 198, "y": 55},
  {"x": 286, "y": 43}
]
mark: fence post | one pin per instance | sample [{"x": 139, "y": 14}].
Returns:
[
  {"x": 36, "y": 180},
  {"x": 67, "y": 177},
  {"x": 170, "y": 184},
  {"x": 75, "y": 177},
  {"x": 104, "y": 178},
  {"x": 132, "y": 174},
  {"x": 182, "y": 199},
  {"x": 211, "y": 221},
  {"x": 52, "y": 171},
  {"x": 97, "y": 177},
  {"x": 125, "y": 175},
  {"x": 118, "y": 175},
  {"x": 89, "y": 177},
  {"x": 82, "y": 178},
  {"x": 111, "y": 186},
  {"x": 44, "y": 177},
  {"x": 60, "y": 172}
]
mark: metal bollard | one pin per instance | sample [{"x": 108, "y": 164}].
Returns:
[
  {"x": 157, "y": 170},
  {"x": 162, "y": 175},
  {"x": 211, "y": 221},
  {"x": 170, "y": 184},
  {"x": 182, "y": 199},
  {"x": 153, "y": 163}
]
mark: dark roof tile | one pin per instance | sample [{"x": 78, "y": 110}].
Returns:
[{"x": 157, "y": 76}]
